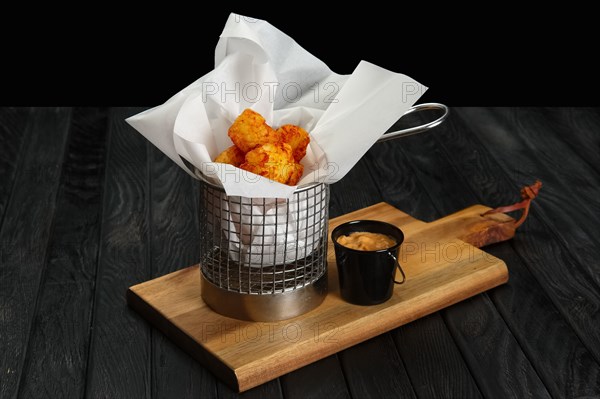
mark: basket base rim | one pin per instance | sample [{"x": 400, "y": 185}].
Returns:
[{"x": 265, "y": 307}]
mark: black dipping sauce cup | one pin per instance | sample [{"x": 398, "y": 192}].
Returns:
[{"x": 367, "y": 277}]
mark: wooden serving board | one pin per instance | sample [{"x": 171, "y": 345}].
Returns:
[{"x": 440, "y": 271}]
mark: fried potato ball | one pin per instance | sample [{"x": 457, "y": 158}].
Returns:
[
  {"x": 297, "y": 138},
  {"x": 249, "y": 130},
  {"x": 274, "y": 161},
  {"x": 296, "y": 174},
  {"x": 233, "y": 156},
  {"x": 258, "y": 148}
]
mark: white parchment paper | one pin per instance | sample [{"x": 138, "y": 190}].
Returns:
[{"x": 259, "y": 67}]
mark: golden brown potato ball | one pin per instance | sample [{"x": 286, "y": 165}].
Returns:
[
  {"x": 249, "y": 130},
  {"x": 297, "y": 138},
  {"x": 233, "y": 156},
  {"x": 274, "y": 161}
]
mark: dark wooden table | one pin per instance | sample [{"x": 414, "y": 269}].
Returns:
[{"x": 88, "y": 208}]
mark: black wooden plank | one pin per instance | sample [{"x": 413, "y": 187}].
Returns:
[
  {"x": 174, "y": 244},
  {"x": 387, "y": 377},
  {"x": 12, "y": 127},
  {"x": 322, "y": 379},
  {"x": 24, "y": 236},
  {"x": 422, "y": 160},
  {"x": 175, "y": 226},
  {"x": 569, "y": 178},
  {"x": 120, "y": 360},
  {"x": 496, "y": 360},
  {"x": 395, "y": 175},
  {"x": 586, "y": 122},
  {"x": 564, "y": 364},
  {"x": 569, "y": 205},
  {"x": 354, "y": 191},
  {"x": 58, "y": 347},
  {"x": 434, "y": 364},
  {"x": 57, "y": 352},
  {"x": 523, "y": 302},
  {"x": 552, "y": 257},
  {"x": 543, "y": 132},
  {"x": 268, "y": 390},
  {"x": 399, "y": 186}
]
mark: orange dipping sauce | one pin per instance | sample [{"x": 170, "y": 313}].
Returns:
[{"x": 366, "y": 241}]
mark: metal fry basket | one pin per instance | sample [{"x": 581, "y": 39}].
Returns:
[{"x": 263, "y": 259}]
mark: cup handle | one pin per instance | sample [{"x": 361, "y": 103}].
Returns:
[{"x": 399, "y": 268}]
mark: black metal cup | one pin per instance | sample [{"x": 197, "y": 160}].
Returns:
[{"x": 367, "y": 277}]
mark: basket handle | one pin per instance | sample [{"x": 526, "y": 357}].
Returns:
[{"x": 421, "y": 128}]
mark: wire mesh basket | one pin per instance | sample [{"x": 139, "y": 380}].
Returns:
[{"x": 263, "y": 259}]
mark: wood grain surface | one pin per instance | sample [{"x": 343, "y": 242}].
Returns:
[
  {"x": 24, "y": 236},
  {"x": 86, "y": 204},
  {"x": 121, "y": 343},
  {"x": 440, "y": 271},
  {"x": 523, "y": 302},
  {"x": 12, "y": 125},
  {"x": 435, "y": 186},
  {"x": 447, "y": 195},
  {"x": 173, "y": 236},
  {"x": 66, "y": 292}
]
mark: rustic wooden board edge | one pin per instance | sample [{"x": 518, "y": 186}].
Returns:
[
  {"x": 247, "y": 381},
  {"x": 180, "y": 338},
  {"x": 243, "y": 377},
  {"x": 239, "y": 379}
]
